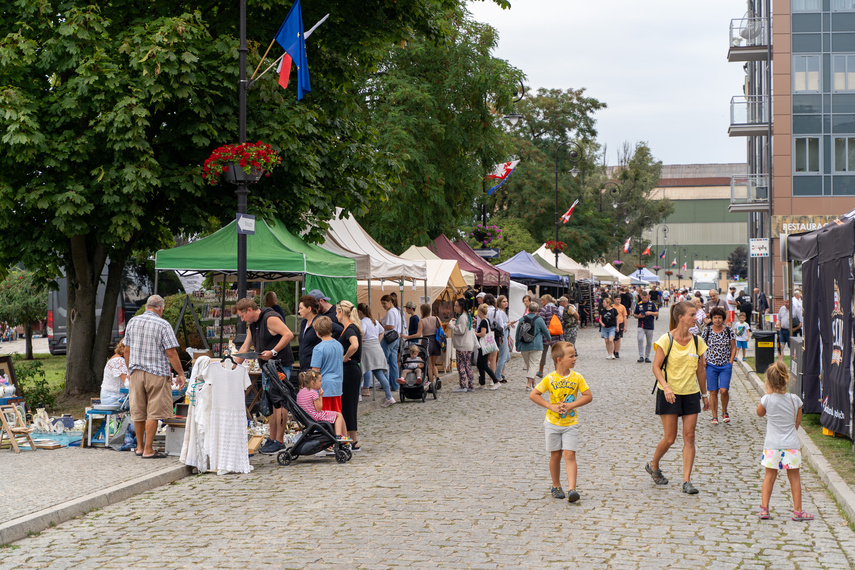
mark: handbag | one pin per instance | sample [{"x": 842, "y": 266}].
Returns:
[
  {"x": 390, "y": 337},
  {"x": 265, "y": 407},
  {"x": 440, "y": 337},
  {"x": 488, "y": 342}
]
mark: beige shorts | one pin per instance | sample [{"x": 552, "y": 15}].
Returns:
[
  {"x": 150, "y": 396},
  {"x": 531, "y": 359}
]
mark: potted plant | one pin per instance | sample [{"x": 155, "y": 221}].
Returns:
[
  {"x": 486, "y": 234},
  {"x": 240, "y": 163},
  {"x": 656, "y": 268},
  {"x": 640, "y": 266},
  {"x": 556, "y": 246},
  {"x": 669, "y": 273},
  {"x": 679, "y": 276},
  {"x": 617, "y": 263}
]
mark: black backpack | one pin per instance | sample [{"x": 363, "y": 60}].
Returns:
[{"x": 527, "y": 330}]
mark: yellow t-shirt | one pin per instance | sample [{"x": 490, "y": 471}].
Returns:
[
  {"x": 682, "y": 364},
  {"x": 562, "y": 389}
]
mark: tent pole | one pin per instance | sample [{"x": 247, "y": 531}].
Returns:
[
  {"x": 222, "y": 315},
  {"x": 369, "y": 294},
  {"x": 296, "y": 297},
  {"x": 427, "y": 300},
  {"x": 156, "y": 275}
]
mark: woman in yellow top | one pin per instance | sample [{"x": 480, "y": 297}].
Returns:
[{"x": 681, "y": 388}]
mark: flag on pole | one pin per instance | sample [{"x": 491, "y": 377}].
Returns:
[
  {"x": 647, "y": 251},
  {"x": 664, "y": 251},
  {"x": 626, "y": 245},
  {"x": 290, "y": 36},
  {"x": 501, "y": 172},
  {"x": 674, "y": 263},
  {"x": 568, "y": 213},
  {"x": 684, "y": 266}
]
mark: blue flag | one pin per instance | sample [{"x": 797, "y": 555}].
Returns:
[{"x": 290, "y": 36}]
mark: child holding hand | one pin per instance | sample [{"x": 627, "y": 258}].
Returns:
[
  {"x": 783, "y": 413},
  {"x": 567, "y": 391},
  {"x": 310, "y": 398}
]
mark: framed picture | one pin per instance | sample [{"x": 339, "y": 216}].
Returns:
[{"x": 8, "y": 369}]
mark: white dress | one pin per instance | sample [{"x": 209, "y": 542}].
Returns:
[{"x": 216, "y": 426}]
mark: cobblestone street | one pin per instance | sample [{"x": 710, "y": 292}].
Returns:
[{"x": 462, "y": 482}]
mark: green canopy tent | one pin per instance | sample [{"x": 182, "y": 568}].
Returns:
[{"x": 272, "y": 254}]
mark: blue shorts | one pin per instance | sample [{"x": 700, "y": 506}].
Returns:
[
  {"x": 608, "y": 332},
  {"x": 718, "y": 377},
  {"x": 742, "y": 344}
]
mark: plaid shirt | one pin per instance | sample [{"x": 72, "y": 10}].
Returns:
[{"x": 149, "y": 336}]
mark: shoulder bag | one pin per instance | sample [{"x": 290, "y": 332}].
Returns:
[{"x": 488, "y": 341}]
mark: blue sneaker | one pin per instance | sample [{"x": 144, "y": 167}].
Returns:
[
  {"x": 557, "y": 493},
  {"x": 270, "y": 447}
]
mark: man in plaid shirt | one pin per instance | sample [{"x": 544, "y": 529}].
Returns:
[{"x": 150, "y": 347}]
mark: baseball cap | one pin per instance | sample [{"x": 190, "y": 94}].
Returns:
[{"x": 316, "y": 293}]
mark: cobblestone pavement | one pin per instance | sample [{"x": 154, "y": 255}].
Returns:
[{"x": 463, "y": 482}]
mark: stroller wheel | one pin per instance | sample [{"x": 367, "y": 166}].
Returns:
[
  {"x": 400, "y": 395},
  {"x": 348, "y": 452},
  {"x": 283, "y": 458},
  {"x": 434, "y": 388},
  {"x": 341, "y": 455},
  {"x": 424, "y": 395},
  {"x": 437, "y": 384}
]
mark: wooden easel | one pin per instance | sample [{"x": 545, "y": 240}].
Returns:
[{"x": 17, "y": 428}]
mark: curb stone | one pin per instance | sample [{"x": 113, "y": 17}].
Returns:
[{"x": 842, "y": 492}]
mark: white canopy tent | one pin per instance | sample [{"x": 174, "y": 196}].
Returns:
[
  {"x": 565, "y": 263},
  {"x": 416, "y": 252},
  {"x": 608, "y": 273}
]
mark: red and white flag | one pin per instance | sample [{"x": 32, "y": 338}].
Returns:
[
  {"x": 626, "y": 245},
  {"x": 568, "y": 213},
  {"x": 647, "y": 251},
  {"x": 684, "y": 266}
]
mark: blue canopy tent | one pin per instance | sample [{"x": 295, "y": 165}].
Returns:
[
  {"x": 644, "y": 274},
  {"x": 525, "y": 269}
]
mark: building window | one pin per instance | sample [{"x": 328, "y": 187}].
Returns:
[
  {"x": 844, "y": 154},
  {"x": 843, "y": 5},
  {"x": 806, "y": 73},
  {"x": 807, "y": 154},
  {"x": 843, "y": 72},
  {"x": 807, "y": 5}
]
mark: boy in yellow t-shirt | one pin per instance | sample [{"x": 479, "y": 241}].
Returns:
[{"x": 567, "y": 391}]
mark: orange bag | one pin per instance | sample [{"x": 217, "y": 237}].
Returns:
[{"x": 555, "y": 328}]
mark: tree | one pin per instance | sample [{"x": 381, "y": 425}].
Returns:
[
  {"x": 435, "y": 103},
  {"x": 111, "y": 108},
  {"x": 737, "y": 262},
  {"x": 515, "y": 238},
  {"x": 22, "y": 302}
]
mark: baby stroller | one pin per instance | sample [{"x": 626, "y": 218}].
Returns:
[
  {"x": 316, "y": 436},
  {"x": 412, "y": 391}
]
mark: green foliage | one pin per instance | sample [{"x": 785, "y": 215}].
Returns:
[
  {"x": 33, "y": 386},
  {"x": 22, "y": 302},
  {"x": 737, "y": 262},
  {"x": 436, "y": 104},
  {"x": 515, "y": 238}
]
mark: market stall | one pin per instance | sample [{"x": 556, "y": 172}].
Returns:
[
  {"x": 486, "y": 275},
  {"x": 565, "y": 263},
  {"x": 416, "y": 252},
  {"x": 524, "y": 268}
]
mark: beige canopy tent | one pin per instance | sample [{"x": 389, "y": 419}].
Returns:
[
  {"x": 416, "y": 252},
  {"x": 608, "y": 273},
  {"x": 565, "y": 263}
]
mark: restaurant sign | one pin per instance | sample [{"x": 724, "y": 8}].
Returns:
[{"x": 798, "y": 224}]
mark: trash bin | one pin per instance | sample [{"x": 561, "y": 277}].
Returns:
[{"x": 764, "y": 350}]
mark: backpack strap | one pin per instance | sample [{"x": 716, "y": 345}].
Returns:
[{"x": 665, "y": 362}]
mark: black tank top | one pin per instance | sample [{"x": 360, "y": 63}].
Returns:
[{"x": 263, "y": 340}]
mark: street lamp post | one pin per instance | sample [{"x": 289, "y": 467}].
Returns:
[{"x": 575, "y": 155}]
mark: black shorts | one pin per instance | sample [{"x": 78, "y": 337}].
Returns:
[
  {"x": 684, "y": 405},
  {"x": 619, "y": 332}
]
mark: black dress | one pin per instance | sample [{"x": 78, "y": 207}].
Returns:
[{"x": 351, "y": 377}]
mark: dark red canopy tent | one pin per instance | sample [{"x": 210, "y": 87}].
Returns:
[{"x": 486, "y": 275}]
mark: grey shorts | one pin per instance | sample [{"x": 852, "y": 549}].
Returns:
[{"x": 561, "y": 437}]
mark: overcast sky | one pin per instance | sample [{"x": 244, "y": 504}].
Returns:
[{"x": 660, "y": 66}]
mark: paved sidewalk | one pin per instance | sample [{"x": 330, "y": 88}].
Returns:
[
  {"x": 462, "y": 482},
  {"x": 40, "y": 346}
]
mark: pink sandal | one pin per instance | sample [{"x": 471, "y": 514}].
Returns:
[
  {"x": 764, "y": 513},
  {"x": 802, "y": 516}
]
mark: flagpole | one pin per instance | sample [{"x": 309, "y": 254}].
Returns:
[{"x": 273, "y": 41}]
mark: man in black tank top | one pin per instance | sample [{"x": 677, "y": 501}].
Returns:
[{"x": 271, "y": 337}]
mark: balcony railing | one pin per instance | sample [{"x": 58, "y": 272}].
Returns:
[
  {"x": 749, "y": 39},
  {"x": 749, "y": 115},
  {"x": 749, "y": 192}
]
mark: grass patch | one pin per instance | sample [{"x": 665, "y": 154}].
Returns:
[{"x": 53, "y": 366}]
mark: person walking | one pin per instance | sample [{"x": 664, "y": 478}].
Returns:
[
  {"x": 621, "y": 325},
  {"x": 501, "y": 320},
  {"x": 549, "y": 308},
  {"x": 150, "y": 349},
  {"x": 608, "y": 322},
  {"x": 646, "y": 313},
  {"x": 762, "y": 304},
  {"x": 783, "y": 327},
  {"x": 392, "y": 323},
  {"x": 464, "y": 341},
  {"x": 744, "y": 305},
  {"x": 680, "y": 370},
  {"x": 570, "y": 323},
  {"x": 373, "y": 359},
  {"x": 271, "y": 337},
  {"x": 531, "y": 331},
  {"x": 721, "y": 350},
  {"x": 482, "y": 331},
  {"x": 797, "y": 314}
]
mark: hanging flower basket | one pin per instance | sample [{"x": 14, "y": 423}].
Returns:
[
  {"x": 617, "y": 262},
  {"x": 656, "y": 268},
  {"x": 640, "y": 266},
  {"x": 669, "y": 273},
  {"x": 556, "y": 246},
  {"x": 679, "y": 276},
  {"x": 486, "y": 234},
  {"x": 240, "y": 163}
]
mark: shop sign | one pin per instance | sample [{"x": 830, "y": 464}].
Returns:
[
  {"x": 798, "y": 224},
  {"x": 758, "y": 247}
]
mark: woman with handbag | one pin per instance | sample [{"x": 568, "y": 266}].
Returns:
[
  {"x": 501, "y": 320},
  {"x": 373, "y": 360},
  {"x": 487, "y": 345},
  {"x": 351, "y": 343},
  {"x": 463, "y": 340},
  {"x": 428, "y": 326},
  {"x": 392, "y": 337}
]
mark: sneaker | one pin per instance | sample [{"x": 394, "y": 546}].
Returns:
[
  {"x": 647, "y": 360},
  {"x": 725, "y": 418},
  {"x": 470, "y": 389},
  {"x": 689, "y": 489},
  {"x": 640, "y": 359},
  {"x": 360, "y": 397},
  {"x": 557, "y": 493},
  {"x": 617, "y": 355},
  {"x": 572, "y": 496},
  {"x": 457, "y": 390},
  {"x": 388, "y": 402},
  {"x": 743, "y": 360},
  {"x": 270, "y": 447},
  {"x": 495, "y": 386}
]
